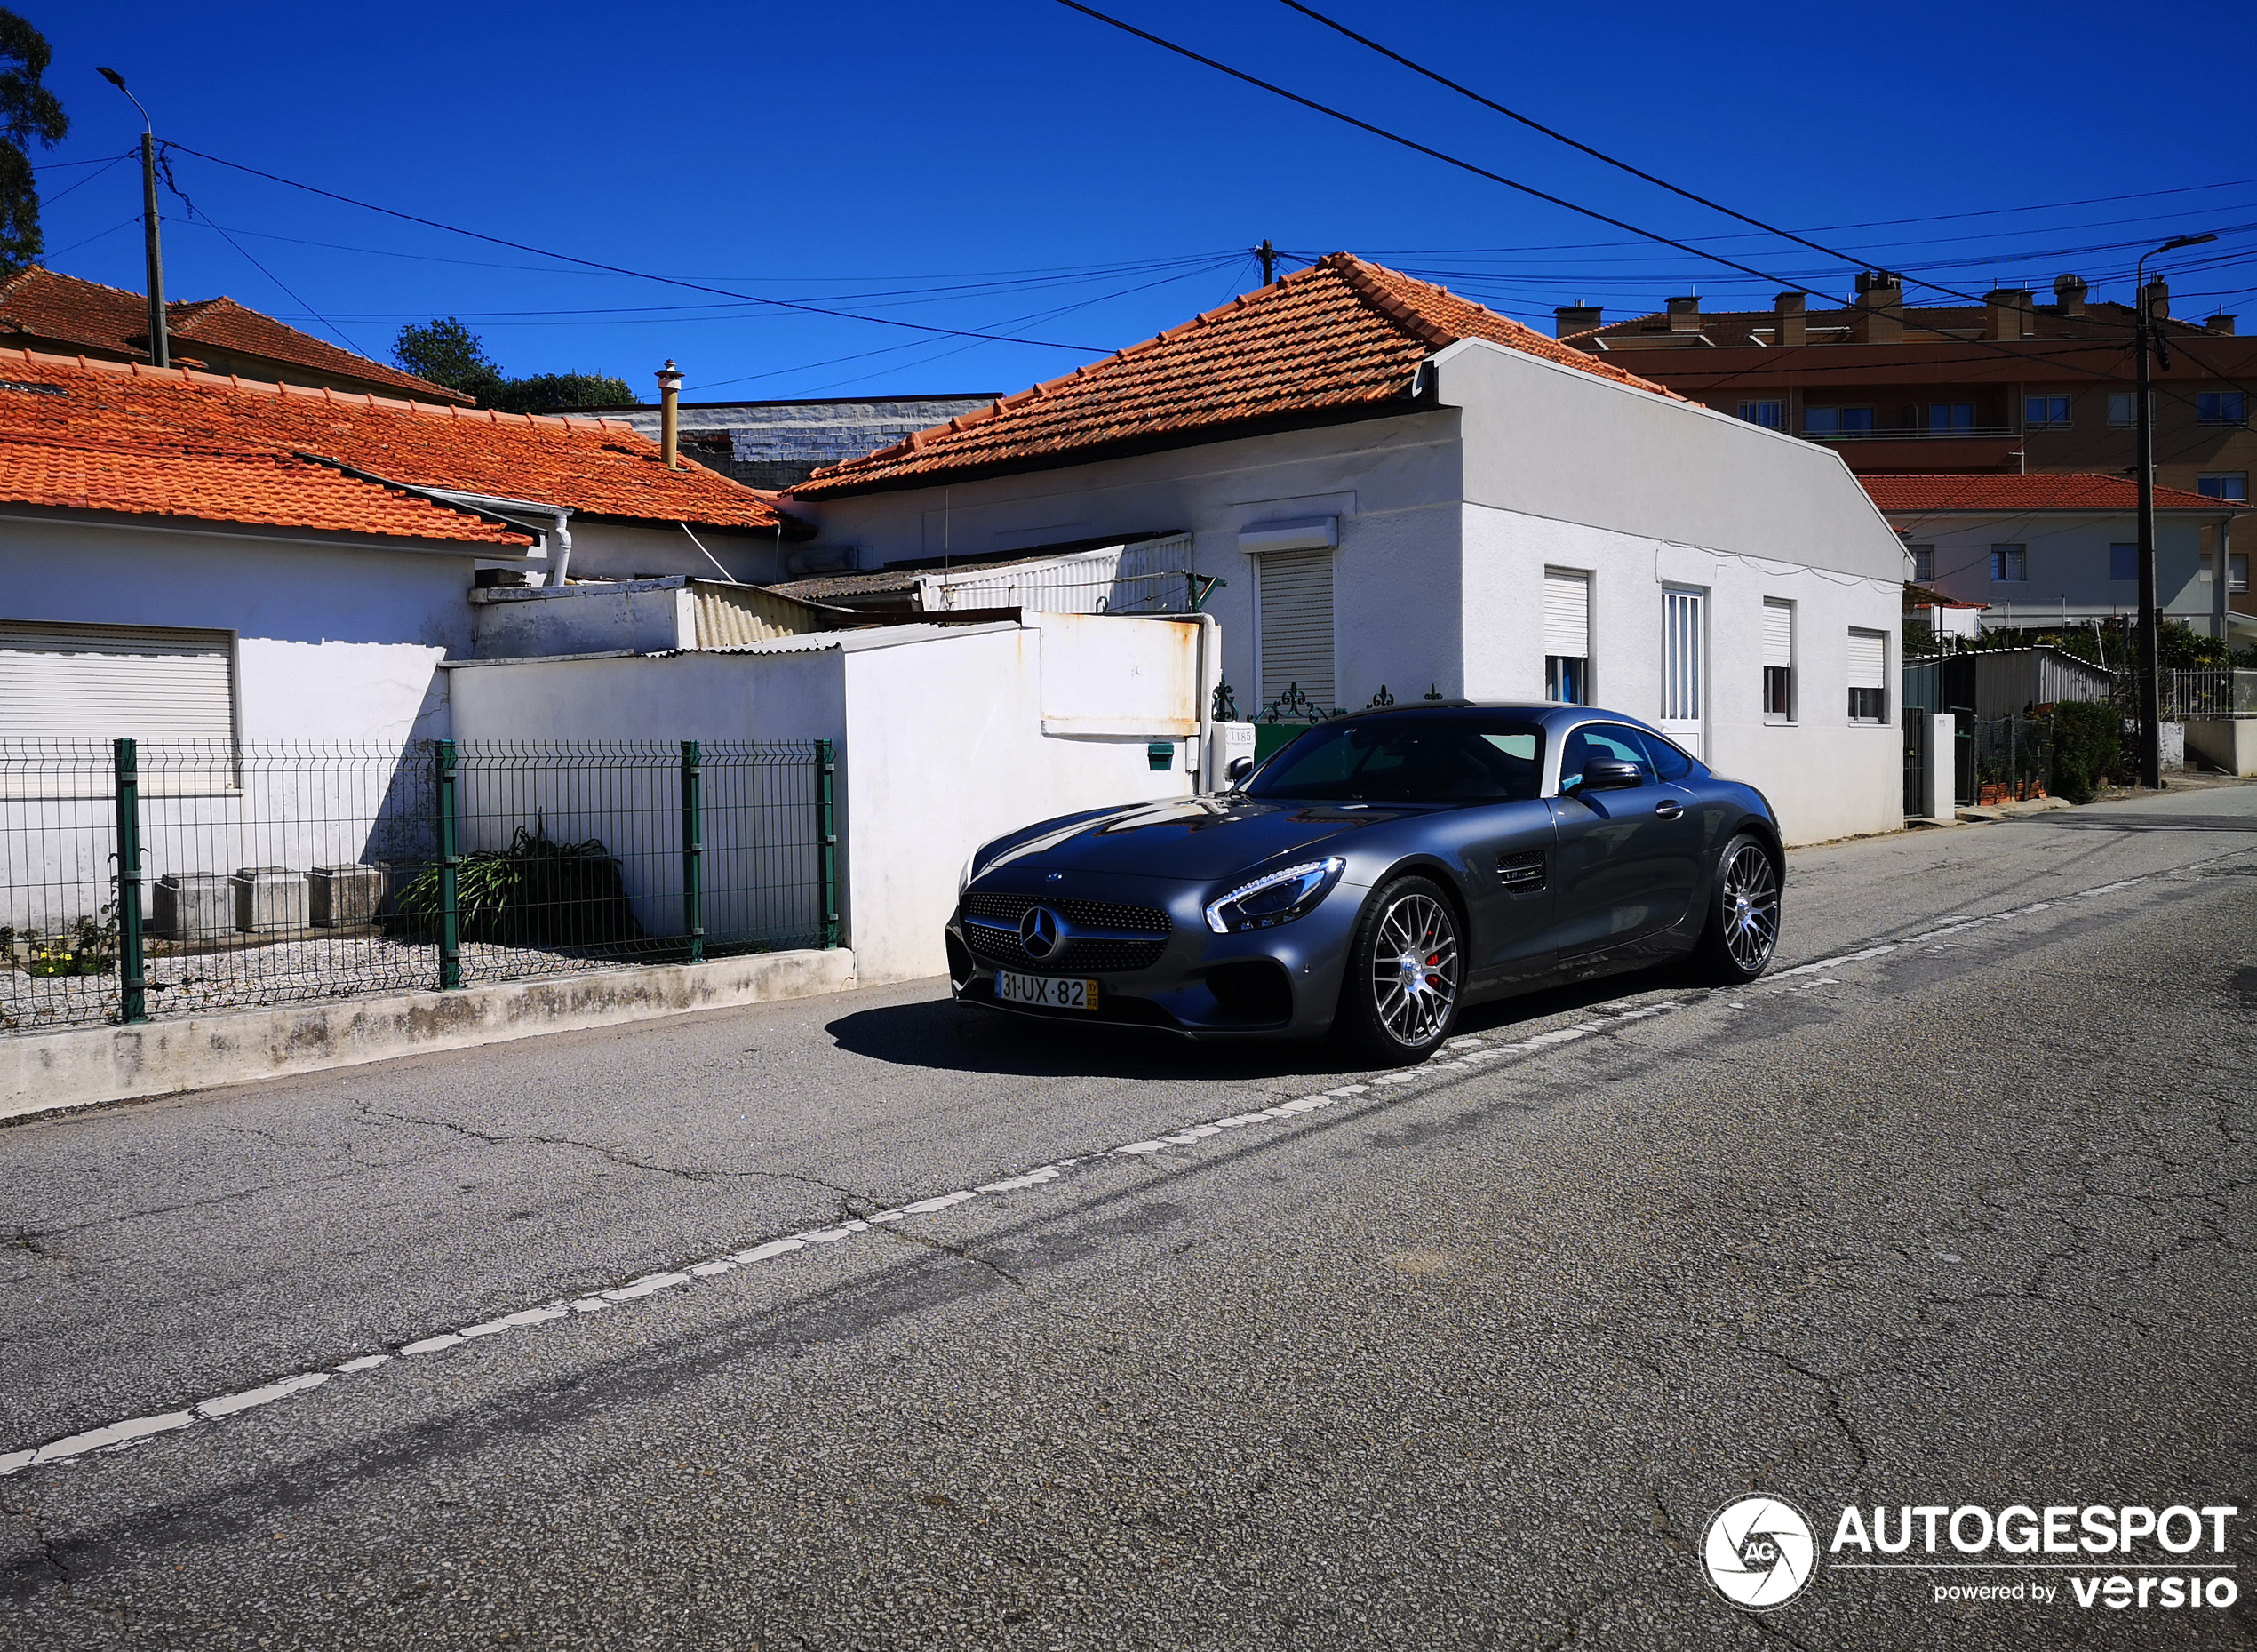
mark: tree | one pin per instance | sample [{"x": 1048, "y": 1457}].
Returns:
[
  {"x": 447, "y": 353},
  {"x": 27, "y": 111},
  {"x": 544, "y": 393}
]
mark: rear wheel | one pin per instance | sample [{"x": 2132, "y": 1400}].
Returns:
[
  {"x": 1399, "y": 999},
  {"x": 1743, "y": 914}
]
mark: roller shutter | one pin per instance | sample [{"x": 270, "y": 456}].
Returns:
[
  {"x": 1867, "y": 659},
  {"x": 1297, "y": 624},
  {"x": 1778, "y": 633},
  {"x": 154, "y": 682},
  {"x": 1567, "y": 615}
]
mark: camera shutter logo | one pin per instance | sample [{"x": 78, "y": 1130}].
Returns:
[
  {"x": 1041, "y": 931},
  {"x": 1759, "y": 1553}
]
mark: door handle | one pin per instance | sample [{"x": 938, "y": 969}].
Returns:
[{"x": 1669, "y": 809}]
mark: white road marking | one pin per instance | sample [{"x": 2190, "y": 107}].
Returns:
[{"x": 118, "y": 1436}]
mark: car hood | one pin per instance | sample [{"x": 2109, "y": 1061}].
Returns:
[{"x": 1195, "y": 838}]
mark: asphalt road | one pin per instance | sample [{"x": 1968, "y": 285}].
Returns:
[{"x": 1466, "y": 1358}]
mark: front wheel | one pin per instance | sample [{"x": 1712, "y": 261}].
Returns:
[
  {"x": 1399, "y": 999},
  {"x": 1743, "y": 914}
]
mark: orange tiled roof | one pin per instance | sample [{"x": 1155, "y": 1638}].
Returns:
[
  {"x": 2070, "y": 491},
  {"x": 1340, "y": 335},
  {"x": 598, "y": 468},
  {"x": 80, "y": 471},
  {"x": 39, "y": 303}
]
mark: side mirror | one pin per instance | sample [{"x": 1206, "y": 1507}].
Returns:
[
  {"x": 1238, "y": 769},
  {"x": 1607, "y": 775}
]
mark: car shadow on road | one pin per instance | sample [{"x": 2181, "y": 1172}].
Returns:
[{"x": 941, "y": 1035}]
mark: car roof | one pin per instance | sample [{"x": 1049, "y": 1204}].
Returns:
[{"x": 1548, "y": 714}]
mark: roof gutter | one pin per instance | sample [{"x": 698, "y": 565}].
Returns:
[{"x": 493, "y": 507}]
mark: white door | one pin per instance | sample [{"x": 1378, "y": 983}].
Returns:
[{"x": 1684, "y": 668}]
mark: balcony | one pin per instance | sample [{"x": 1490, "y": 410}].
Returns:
[{"x": 1969, "y": 432}]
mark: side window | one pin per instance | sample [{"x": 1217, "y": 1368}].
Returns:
[
  {"x": 1666, "y": 761},
  {"x": 1602, "y": 743}
]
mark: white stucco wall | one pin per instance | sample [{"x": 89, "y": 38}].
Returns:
[
  {"x": 940, "y": 734},
  {"x": 334, "y": 642},
  {"x": 1391, "y": 483},
  {"x": 643, "y": 616},
  {"x": 619, "y": 550}
]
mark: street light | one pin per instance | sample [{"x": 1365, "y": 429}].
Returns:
[
  {"x": 160, "y": 344},
  {"x": 2150, "y": 620}
]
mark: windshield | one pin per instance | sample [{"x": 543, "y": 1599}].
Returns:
[{"x": 1428, "y": 757}]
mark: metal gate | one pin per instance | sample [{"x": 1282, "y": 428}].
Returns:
[{"x": 1917, "y": 725}]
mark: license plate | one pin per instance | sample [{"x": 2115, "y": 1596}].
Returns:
[{"x": 1046, "y": 992}]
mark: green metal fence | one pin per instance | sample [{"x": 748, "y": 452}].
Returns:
[{"x": 271, "y": 873}]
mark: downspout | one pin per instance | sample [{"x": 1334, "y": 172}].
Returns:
[{"x": 2221, "y": 577}]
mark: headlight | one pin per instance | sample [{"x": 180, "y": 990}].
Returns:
[
  {"x": 964, "y": 878},
  {"x": 1277, "y": 898}
]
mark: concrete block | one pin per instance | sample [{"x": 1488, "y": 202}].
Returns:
[
  {"x": 341, "y": 896},
  {"x": 195, "y": 905},
  {"x": 269, "y": 897},
  {"x": 2227, "y": 743}
]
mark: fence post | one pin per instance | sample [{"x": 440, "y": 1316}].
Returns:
[
  {"x": 693, "y": 851},
  {"x": 450, "y": 869},
  {"x": 133, "y": 995},
  {"x": 826, "y": 837}
]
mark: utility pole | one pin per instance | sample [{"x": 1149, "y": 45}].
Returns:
[
  {"x": 2149, "y": 663},
  {"x": 160, "y": 342},
  {"x": 1268, "y": 254}
]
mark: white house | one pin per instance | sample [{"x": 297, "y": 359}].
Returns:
[
  {"x": 1400, "y": 491},
  {"x": 2063, "y": 549}
]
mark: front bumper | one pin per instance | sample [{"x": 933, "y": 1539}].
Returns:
[{"x": 1280, "y": 982}]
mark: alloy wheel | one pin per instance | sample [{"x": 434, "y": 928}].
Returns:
[
  {"x": 1414, "y": 969},
  {"x": 1750, "y": 908}
]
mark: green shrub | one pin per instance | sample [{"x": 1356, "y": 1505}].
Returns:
[
  {"x": 534, "y": 893},
  {"x": 2088, "y": 748}
]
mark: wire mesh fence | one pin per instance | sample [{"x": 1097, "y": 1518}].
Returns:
[
  {"x": 2013, "y": 759},
  {"x": 274, "y": 874}
]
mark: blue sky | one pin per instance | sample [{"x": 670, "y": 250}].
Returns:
[{"x": 1014, "y": 167}]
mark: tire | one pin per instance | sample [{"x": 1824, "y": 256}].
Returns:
[
  {"x": 1405, "y": 971},
  {"x": 1742, "y": 930}
]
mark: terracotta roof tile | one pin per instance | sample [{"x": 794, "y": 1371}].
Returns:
[
  {"x": 39, "y": 303},
  {"x": 598, "y": 468},
  {"x": 73, "y": 471},
  {"x": 1339, "y": 335},
  {"x": 2073, "y": 491}
]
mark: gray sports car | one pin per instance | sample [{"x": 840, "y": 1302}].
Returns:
[{"x": 1375, "y": 876}]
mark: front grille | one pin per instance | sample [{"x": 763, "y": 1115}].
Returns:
[
  {"x": 1130, "y": 938},
  {"x": 1092, "y": 914},
  {"x": 1079, "y": 952}
]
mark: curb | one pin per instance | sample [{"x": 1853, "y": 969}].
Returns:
[{"x": 80, "y": 1066}]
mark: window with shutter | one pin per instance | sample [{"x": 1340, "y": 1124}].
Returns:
[
  {"x": 1868, "y": 676},
  {"x": 1778, "y": 660},
  {"x": 173, "y": 688},
  {"x": 1297, "y": 626},
  {"x": 1566, "y": 636}
]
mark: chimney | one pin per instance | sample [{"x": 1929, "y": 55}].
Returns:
[
  {"x": 2221, "y": 324},
  {"x": 2007, "y": 316},
  {"x": 1685, "y": 314},
  {"x": 1787, "y": 309},
  {"x": 1879, "y": 317},
  {"x": 669, "y": 414},
  {"x": 2158, "y": 294},
  {"x": 1574, "y": 318},
  {"x": 2069, "y": 292}
]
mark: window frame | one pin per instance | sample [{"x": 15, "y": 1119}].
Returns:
[
  {"x": 1879, "y": 714},
  {"x": 1920, "y": 575},
  {"x": 2114, "y": 563},
  {"x": 2239, "y": 479},
  {"x": 1954, "y": 409},
  {"x": 1838, "y": 427},
  {"x": 2129, "y": 402},
  {"x": 1756, "y": 418},
  {"x": 2005, "y": 556},
  {"x": 2221, "y": 407},
  {"x": 2049, "y": 401}
]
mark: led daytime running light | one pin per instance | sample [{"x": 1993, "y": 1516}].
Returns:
[{"x": 1331, "y": 867}]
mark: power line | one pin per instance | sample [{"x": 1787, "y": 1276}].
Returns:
[
  {"x": 617, "y": 269},
  {"x": 1431, "y": 153}
]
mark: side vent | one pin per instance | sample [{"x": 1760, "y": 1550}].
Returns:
[{"x": 1522, "y": 873}]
